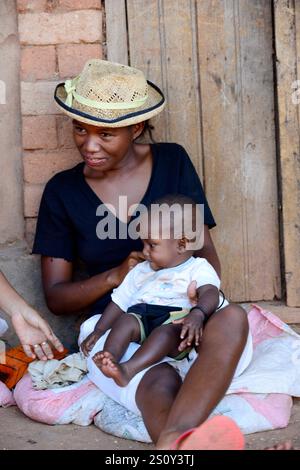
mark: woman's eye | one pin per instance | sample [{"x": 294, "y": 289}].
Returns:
[
  {"x": 105, "y": 134},
  {"x": 79, "y": 130}
]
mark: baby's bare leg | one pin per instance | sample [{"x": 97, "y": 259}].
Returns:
[
  {"x": 163, "y": 341},
  {"x": 125, "y": 330}
]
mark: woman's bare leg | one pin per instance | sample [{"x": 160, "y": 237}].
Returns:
[
  {"x": 155, "y": 396},
  {"x": 222, "y": 344}
]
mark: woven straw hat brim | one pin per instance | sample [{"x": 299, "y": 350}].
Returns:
[{"x": 154, "y": 104}]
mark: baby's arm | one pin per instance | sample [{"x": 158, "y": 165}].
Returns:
[
  {"x": 208, "y": 301},
  {"x": 106, "y": 321},
  {"x": 121, "y": 300}
]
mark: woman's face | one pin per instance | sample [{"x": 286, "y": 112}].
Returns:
[{"x": 104, "y": 148}]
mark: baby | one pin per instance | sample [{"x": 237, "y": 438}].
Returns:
[{"x": 154, "y": 294}]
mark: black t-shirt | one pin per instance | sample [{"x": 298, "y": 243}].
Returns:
[{"x": 67, "y": 219}]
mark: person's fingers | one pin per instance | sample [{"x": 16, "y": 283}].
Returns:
[
  {"x": 191, "y": 335},
  {"x": 55, "y": 341},
  {"x": 28, "y": 351},
  {"x": 45, "y": 328},
  {"x": 83, "y": 347},
  {"x": 183, "y": 345},
  {"x": 138, "y": 255},
  {"x": 181, "y": 320},
  {"x": 39, "y": 352},
  {"x": 192, "y": 292},
  {"x": 184, "y": 331},
  {"x": 197, "y": 336},
  {"x": 46, "y": 350}
]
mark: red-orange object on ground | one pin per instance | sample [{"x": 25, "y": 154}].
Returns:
[
  {"x": 217, "y": 433},
  {"x": 17, "y": 363}
]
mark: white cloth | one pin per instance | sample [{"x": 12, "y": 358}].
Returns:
[
  {"x": 126, "y": 395},
  {"x": 3, "y": 326},
  {"x": 166, "y": 286},
  {"x": 55, "y": 374}
]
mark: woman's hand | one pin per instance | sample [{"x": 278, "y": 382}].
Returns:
[
  {"x": 191, "y": 331},
  {"x": 193, "y": 297},
  {"x": 192, "y": 292},
  {"x": 34, "y": 333},
  {"x": 118, "y": 274}
]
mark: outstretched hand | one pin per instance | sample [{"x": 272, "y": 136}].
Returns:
[{"x": 35, "y": 335}]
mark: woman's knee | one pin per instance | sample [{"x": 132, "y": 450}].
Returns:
[
  {"x": 158, "y": 387},
  {"x": 231, "y": 321}
]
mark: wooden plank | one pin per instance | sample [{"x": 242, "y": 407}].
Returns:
[
  {"x": 145, "y": 49},
  {"x": 167, "y": 31},
  {"x": 289, "y": 315},
  {"x": 116, "y": 31},
  {"x": 287, "y": 35},
  {"x": 236, "y": 76}
]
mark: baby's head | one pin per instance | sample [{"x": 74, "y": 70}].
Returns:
[{"x": 171, "y": 230}]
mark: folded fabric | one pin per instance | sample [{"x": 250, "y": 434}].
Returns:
[
  {"x": 6, "y": 396},
  {"x": 3, "y": 326},
  {"x": 55, "y": 374},
  {"x": 117, "y": 420},
  {"x": 77, "y": 403}
]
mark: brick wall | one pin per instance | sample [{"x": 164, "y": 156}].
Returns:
[{"x": 57, "y": 37}]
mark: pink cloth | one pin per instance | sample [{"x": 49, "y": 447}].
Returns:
[{"x": 6, "y": 396}]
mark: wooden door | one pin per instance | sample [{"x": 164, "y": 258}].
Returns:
[{"x": 213, "y": 59}]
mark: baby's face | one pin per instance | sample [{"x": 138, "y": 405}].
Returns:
[{"x": 162, "y": 253}]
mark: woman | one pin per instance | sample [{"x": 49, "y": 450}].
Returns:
[
  {"x": 109, "y": 104},
  {"x": 33, "y": 331}
]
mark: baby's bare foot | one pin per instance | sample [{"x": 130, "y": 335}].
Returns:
[
  {"x": 98, "y": 358},
  {"x": 110, "y": 368}
]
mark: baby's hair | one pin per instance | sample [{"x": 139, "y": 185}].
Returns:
[{"x": 178, "y": 215}]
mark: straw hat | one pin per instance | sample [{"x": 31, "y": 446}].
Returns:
[{"x": 109, "y": 94}]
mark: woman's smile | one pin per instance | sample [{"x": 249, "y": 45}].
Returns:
[{"x": 94, "y": 161}]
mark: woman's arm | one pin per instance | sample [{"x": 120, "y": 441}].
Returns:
[
  {"x": 208, "y": 251},
  {"x": 66, "y": 296},
  {"x": 32, "y": 330}
]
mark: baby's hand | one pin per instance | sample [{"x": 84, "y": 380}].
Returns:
[
  {"x": 89, "y": 342},
  {"x": 191, "y": 329}
]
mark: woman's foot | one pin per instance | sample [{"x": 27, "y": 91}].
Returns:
[{"x": 111, "y": 368}]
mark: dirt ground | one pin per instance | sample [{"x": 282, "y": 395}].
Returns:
[{"x": 17, "y": 432}]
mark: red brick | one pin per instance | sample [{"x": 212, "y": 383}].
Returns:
[
  {"x": 40, "y": 166},
  {"x": 65, "y": 132},
  {"x": 39, "y": 132},
  {"x": 72, "y": 57},
  {"x": 30, "y": 228},
  {"x": 36, "y": 6},
  {"x": 71, "y": 27},
  {"x": 38, "y": 62},
  {"x": 80, "y": 4},
  {"x": 32, "y": 198},
  {"x": 37, "y": 98},
  {"x": 39, "y": 6}
]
